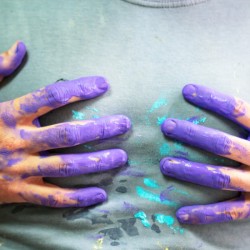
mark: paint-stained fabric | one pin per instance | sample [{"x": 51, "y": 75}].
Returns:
[{"x": 147, "y": 56}]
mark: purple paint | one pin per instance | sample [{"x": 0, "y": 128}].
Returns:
[
  {"x": 71, "y": 134},
  {"x": 13, "y": 161},
  {"x": 87, "y": 196},
  {"x": 59, "y": 93},
  {"x": 196, "y": 135},
  {"x": 76, "y": 164},
  {"x": 197, "y": 173},
  {"x": 210, "y": 99},
  {"x": 8, "y": 119},
  {"x": 15, "y": 61},
  {"x": 214, "y": 213}
]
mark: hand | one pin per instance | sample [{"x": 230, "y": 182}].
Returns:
[
  {"x": 220, "y": 177},
  {"x": 23, "y": 163}
]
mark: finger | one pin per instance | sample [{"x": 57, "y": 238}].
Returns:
[
  {"x": 230, "y": 107},
  {"x": 75, "y": 164},
  {"x": 11, "y": 59},
  {"x": 58, "y": 94},
  {"x": 208, "y": 139},
  {"x": 53, "y": 196},
  {"x": 213, "y": 213},
  {"x": 203, "y": 174},
  {"x": 74, "y": 133}
]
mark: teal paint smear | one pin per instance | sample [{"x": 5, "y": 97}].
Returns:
[
  {"x": 151, "y": 183},
  {"x": 92, "y": 109},
  {"x": 178, "y": 146},
  {"x": 165, "y": 149},
  {"x": 157, "y": 104},
  {"x": 153, "y": 197},
  {"x": 197, "y": 119},
  {"x": 161, "y": 119},
  {"x": 78, "y": 115},
  {"x": 95, "y": 116},
  {"x": 143, "y": 218},
  {"x": 169, "y": 221},
  {"x": 164, "y": 219}
]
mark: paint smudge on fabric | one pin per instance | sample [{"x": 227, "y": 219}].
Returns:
[
  {"x": 197, "y": 119},
  {"x": 92, "y": 109},
  {"x": 98, "y": 244},
  {"x": 131, "y": 173},
  {"x": 153, "y": 197},
  {"x": 172, "y": 193},
  {"x": 161, "y": 119},
  {"x": 165, "y": 149},
  {"x": 155, "y": 228},
  {"x": 167, "y": 220},
  {"x": 151, "y": 183},
  {"x": 157, "y": 104},
  {"x": 130, "y": 208},
  {"x": 121, "y": 189},
  {"x": 143, "y": 218},
  {"x": 128, "y": 225},
  {"x": 164, "y": 219},
  {"x": 77, "y": 115}
]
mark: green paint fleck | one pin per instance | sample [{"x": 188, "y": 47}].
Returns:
[
  {"x": 151, "y": 183},
  {"x": 153, "y": 197},
  {"x": 157, "y": 104},
  {"x": 164, "y": 219},
  {"x": 160, "y": 120},
  {"x": 77, "y": 115},
  {"x": 143, "y": 218},
  {"x": 164, "y": 149}
]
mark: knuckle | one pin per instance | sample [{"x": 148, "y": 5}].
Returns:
[
  {"x": 54, "y": 95},
  {"x": 221, "y": 181},
  {"x": 222, "y": 145},
  {"x": 67, "y": 135}
]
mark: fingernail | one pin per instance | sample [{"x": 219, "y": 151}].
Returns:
[
  {"x": 165, "y": 165},
  {"x": 100, "y": 197},
  {"x": 182, "y": 215},
  {"x": 124, "y": 123},
  {"x": 168, "y": 126},
  {"x": 189, "y": 91},
  {"x": 101, "y": 83}
]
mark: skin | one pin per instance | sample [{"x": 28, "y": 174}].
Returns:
[
  {"x": 217, "y": 142},
  {"x": 23, "y": 143}
]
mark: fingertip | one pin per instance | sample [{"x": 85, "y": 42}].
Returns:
[
  {"x": 101, "y": 83},
  {"x": 182, "y": 215},
  {"x": 124, "y": 122},
  {"x": 168, "y": 126},
  {"x": 21, "y": 49},
  {"x": 123, "y": 157},
  {"x": 189, "y": 91},
  {"x": 88, "y": 196}
]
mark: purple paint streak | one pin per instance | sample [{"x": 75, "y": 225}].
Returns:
[
  {"x": 217, "y": 102},
  {"x": 214, "y": 213},
  {"x": 87, "y": 197},
  {"x": 71, "y": 134},
  {"x": 198, "y": 173},
  {"x": 15, "y": 61},
  {"x": 58, "y": 94},
  {"x": 196, "y": 135},
  {"x": 8, "y": 119},
  {"x": 76, "y": 164}
]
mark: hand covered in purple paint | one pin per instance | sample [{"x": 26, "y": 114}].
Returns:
[
  {"x": 220, "y": 177},
  {"x": 23, "y": 143}
]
